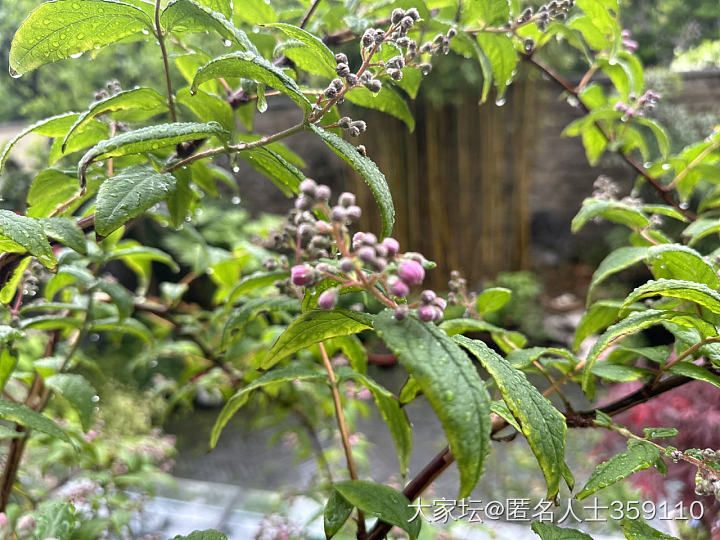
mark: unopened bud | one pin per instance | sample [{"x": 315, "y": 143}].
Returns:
[
  {"x": 411, "y": 272},
  {"x": 342, "y": 69},
  {"x": 322, "y": 193},
  {"x": 340, "y": 58},
  {"x": 397, "y": 15},
  {"x": 328, "y": 299},
  {"x": 401, "y": 313}
]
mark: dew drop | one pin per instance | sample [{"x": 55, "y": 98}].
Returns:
[
  {"x": 449, "y": 396},
  {"x": 153, "y": 363},
  {"x": 647, "y": 164},
  {"x": 145, "y": 31},
  {"x": 76, "y": 55},
  {"x": 80, "y": 35},
  {"x": 500, "y": 102},
  {"x": 235, "y": 200},
  {"x": 236, "y": 169},
  {"x": 14, "y": 74},
  {"x": 666, "y": 167},
  {"x": 684, "y": 206},
  {"x": 95, "y": 398},
  {"x": 227, "y": 42}
]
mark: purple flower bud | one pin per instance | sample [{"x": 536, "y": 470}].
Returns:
[
  {"x": 380, "y": 250},
  {"x": 347, "y": 265},
  {"x": 306, "y": 230},
  {"x": 369, "y": 239},
  {"x": 330, "y": 92},
  {"x": 379, "y": 264},
  {"x": 427, "y": 296},
  {"x": 440, "y": 303},
  {"x": 398, "y": 287},
  {"x": 304, "y": 203},
  {"x": 352, "y": 79},
  {"x": 323, "y": 267},
  {"x": 354, "y": 212},
  {"x": 345, "y": 122},
  {"x": 411, "y": 272},
  {"x": 368, "y": 37},
  {"x": 353, "y": 131},
  {"x": 340, "y": 58},
  {"x": 338, "y": 214},
  {"x": 323, "y": 227},
  {"x": 342, "y": 69},
  {"x": 346, "y": 199},
  {"x": 308, "y": 186},
  {"x": 401, "y": 313},
  {"x": 397, "y": 15},
  {"x": 357, "y": 240},
  {"x": 391, "y": 245},
  {"x": 427, "y": 313},
  {"x": 3, "y": 519},
  {"x": 366, "y": 253},
  {"x": 302, "y": 274},
  {"x": 328, "y": 299},
  {"x": 413, "y": 13},
  {"x": 338, "y": 84},
  {"x": 322, "y": 193}
]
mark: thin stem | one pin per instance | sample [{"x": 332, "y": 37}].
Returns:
[
  {"x": 309, "y": 13},
  {"x": 702, "y": 155},
  {"x": 161, "y": 41},
  {"x": 682, "y": 356},
  {"x": 343, "y": 427}
]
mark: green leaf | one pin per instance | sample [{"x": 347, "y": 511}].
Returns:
[
  {"x": 252, "y": 308},
  {"x": 337, "y": 511},
  {"x": 313, "y": 327},
  {"x": 637, "y": 529},
  {"x": 699, "y": 293},
  {"x": 688, "y": 369},
  {"x": 451, "y": 384},
  {"x": 144, "y": 102},
  {"x": 634, "y": 323},
  {"x": 500, "y": 408},
  {"x": 209, "y": 534},
  {"x": 461, "y": 326},
  {"x": 542, "y": 424},
  {"x": 660, "y": 433},
  {"x": 368, "y": 170},
  {"x": 521, "y": 358},
  {"x": 29, "y": 233},
  {"x": 256, "y": 12},
  {"x": 486, "y": 12},
  {"x": 54, "y": 519},
  {"x": 548, "y": 531},
  {"x": 598, "y": 316},
  {"x": 132, "y": 327},
  {"x": 60, "y": 29},
  {"x": 65, "y": 231},
  {"x": 279, "y": 375},
  {"x": 619, "y": 372},
  {"x": 207, "y": 107},
  {"x": 191, "y": 16},
  {"x": 120, "y": 296},
  {"x": 148, "y": 139},
  {"x": 390, "y": 505},
  {"x": 661, "y": 136},
  {"x": 701, "y": 228},
  {"x": 8, "y": 362},
  {"x": 249, "y": 65},
  {"x": 55, "y": 126},
  {"x": 500, "y": 51},
  {"x": 352, "y": 348},
  {"x": 616, "y": 261},
  {"x": 493, "y": 299},
  {"x": 638, "y": 456},
  {"x": 137, "y": 254},
  {"x": 129, "y": 194},
  {"x": 675, "y": 261},
  {"x": 318, "y": 48},
  {"x": 409, "y": 391},
  {"x": 25, "y": 416},
  {"x": 284, "y": 174},
  {"x": 253, "y": 282},
  {"x": 79, "y": 393},
  {"x": 386, "y": 100},
  {"x": 50, "y": 188},
  {"x": 616, "y": 211},
  {"x": 8, "y": 334},
  {"x": 391, "y": 412}
]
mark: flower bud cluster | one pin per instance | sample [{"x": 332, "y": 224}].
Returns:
[
  {"x": 352, "y": 127},
  {"x": 637, "y": 107},
  {"x": 556, "y": 10},
  {"x": 628, "y": 43},
  {"x": 605, "y": 188},
  {"x": 440, "y": 43},
  {"x": 324, "y": 250}
]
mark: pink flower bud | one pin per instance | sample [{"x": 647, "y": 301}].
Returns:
[
  {"x": 440, "y": 303},
  {"x": 398, "y": 287},
  {"x": 411, "y": 272},
  {"x": 427, "y": 313},
  {"x": 26, "y": 523},
  {"x": 301, "y": 275},
  {"x": 3, "y": 519},
  {"x": 328, "y": 299},
  {"x": 391, "y": 245}
]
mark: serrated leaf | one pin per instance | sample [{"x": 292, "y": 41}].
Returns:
[
  {"x": 381, "y": 501},
  {"x": 634, "y": 323},
  {"x": 144, "y": 102},
  {"x": 637, "y": 529},
  {"x": 616, "y": 261},
  {"x": 386, "y": 100},
  {"x": 191, "y": 16},
  {"x": 699, "y": 293},
  {"x": 548, "y": 531},
  {"x": 675, "y": 261},
  {"x": 148, "y": 139},
  {"x": 451, "y": 384},
  {"x": 251, "y": 308},
  {"x": 313, "y": 327},
  {"x": 391, "y": 412},
  {"x": 486, "y": 12},
  {"x": 500, "y": 51},
  {"x": 279, "y": 375},
  {"x": 688, "y": 369},
  {"x": 65, "y": 231},
  {"x": 616, "y": 211},
  {"x": 252, "y": 282},
  {"x": 251, "y": 66},
  {"x": 129, "y": 194},
  {"x": 542, "y": 424},
  {"x": 318, "y": 48},
  {"x": 50, "y": 188},
  {"x": 638, "y": 456},
  {"x": 337, "y": 511},
  {"x": 283, "y": 174},
  {"x": 461, "y": 326},
  {"x": 79, "y": 393},
  {"x": 493, "y": 299},
  {"x": 54, "y": 519},
  {"x": 25, "y": 416},
  {"x": 30, "y": 234},
  {"x": 55, "y": 126},
  {"x": 60, "y": 29},
  {"x": 368, "y": 170}
]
